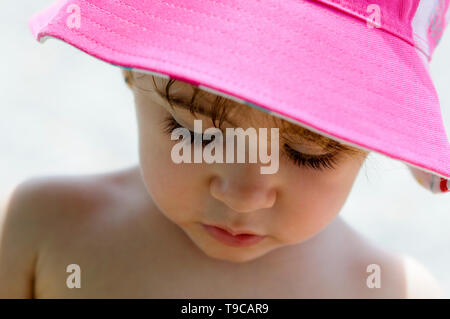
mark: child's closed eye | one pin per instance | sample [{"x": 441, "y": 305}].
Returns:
[
  {"x": 318, "y": 162},
  {"x": 170, "y": 124}
]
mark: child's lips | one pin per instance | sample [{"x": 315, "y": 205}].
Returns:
[
  {"x": 233, "y": 231},
  {"x": 240, "y": 239}
]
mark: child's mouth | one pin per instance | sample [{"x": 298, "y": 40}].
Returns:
[{"x": 227, "y": 238}]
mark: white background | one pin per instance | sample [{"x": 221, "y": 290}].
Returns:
[{"x": 63, "y": 112}]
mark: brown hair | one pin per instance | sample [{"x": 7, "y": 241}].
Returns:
[{"x": 222, "y": 106}]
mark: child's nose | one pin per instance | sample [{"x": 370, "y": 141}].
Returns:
[{"x": 244, "y": 193}]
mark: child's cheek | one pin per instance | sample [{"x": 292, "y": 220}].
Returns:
[
  {"x": 310, "y": 204},
  {"x": 177, "y": 189}
]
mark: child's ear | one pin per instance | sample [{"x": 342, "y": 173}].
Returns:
[{"x": 127, "y": 76}]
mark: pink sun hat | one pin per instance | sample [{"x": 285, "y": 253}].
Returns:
[{"x": 355, "y": 71}]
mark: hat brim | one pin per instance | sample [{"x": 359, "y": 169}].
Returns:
[{"x": 303, "y": 61}]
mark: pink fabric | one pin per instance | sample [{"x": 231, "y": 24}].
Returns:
[
  {"x": 315, "y": 63},
  {"x": 419, "y": 22},
  {"x": 439, "y": 19}
]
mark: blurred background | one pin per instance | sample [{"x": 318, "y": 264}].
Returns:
[{"x": 63, "y": 112}]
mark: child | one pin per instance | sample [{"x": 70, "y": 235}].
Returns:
[{"x": 335, "y": 87}]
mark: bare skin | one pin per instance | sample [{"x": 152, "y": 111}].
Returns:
[
  {"x": 126, "y": 248},
  {"x": 136, "y": 233}
]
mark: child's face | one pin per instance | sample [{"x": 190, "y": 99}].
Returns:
[{"x": 287, "y": 207}]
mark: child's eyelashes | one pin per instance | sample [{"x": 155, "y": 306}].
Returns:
[
  {"x": 318, "y": 162},
  {"x": 170, "y": 124},
  {"x": 312, "y": 161}
]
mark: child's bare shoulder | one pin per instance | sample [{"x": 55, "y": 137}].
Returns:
[
  {"x": 390, "y": 275},
  {"x": 420, "y": 282},
  {"x": 46, "y": 217},
  {"x": 58, "y": 199},
  {"x": 46, "y": 208},
  {"x": 381, "y": 273}
]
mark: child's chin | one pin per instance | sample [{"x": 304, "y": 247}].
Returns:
[
  {"x": 216, "y": 250},
  {"x": 233, "y": 255},
  {"x": 234, "y": 258}
]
